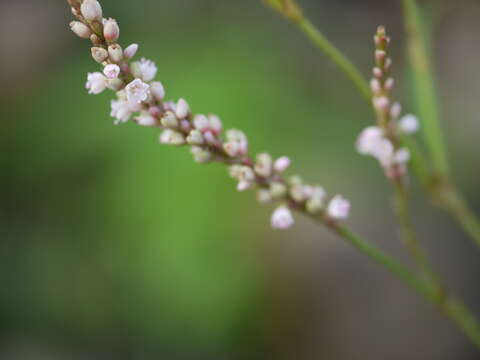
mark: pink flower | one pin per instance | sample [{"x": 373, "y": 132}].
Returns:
[
  {"x": 137, "y": 91},
  {"x": 148, "y": 69},
  {"x": 338, "y": 208},
  {"x": 282, "y": 218},
  {"x": 282, "y": 164},
  {"x": 130, "y": 51},
  {"x": 409, "y": 124},
  {"x": 111, "y": 71},
  {"x": 96, "y": 83},
  {"x": 182, "y": 109}
]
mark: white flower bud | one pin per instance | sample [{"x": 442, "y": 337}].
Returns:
[
  {"x": 409, "y": 124},
  {"x": 145, "y": 119},
  {"x": 91, "y": 10},
  {"x": 368, "y": 140},
  {"x": 115, "y": 52},
  {"x": 297, "y": 192},
  {"x": 201, "y": 155},
  {"x": 169, "y": 120},
  {"x": 111, "y": 71},
  {"x": 130, "y": 51},
  {"x": 264, "y": 165},
  {"x": 278, "y": 190},
  {"x": 201, "y": 123},
  {"x": 215, "y": 124},
  {"x": 158, "y": 91},
  {"x": 80, "y": 29},
  {"x": 401, "y": 156},
  {"x": 121, "y": 111},
  {"x": 389, "y": 84},
  {"x": 182, "y": 109},
  {"x": 381, "y": 104},
  {"x": 171, "y": 137},
  {"x": 317, "y": 200},
  {"x": 99, "y": 54},
  {"x": 396, "y": 110},
  {"x": 264, "y": 196},
  {"x": 111, "y": 31},
  {"x": 195, "y": 138},
  {"x": 282, "y": 218},
  {"x": 376, "y": 86},
  {"x": 338, "y": 208},
  {"x": 281, "y": 164}
]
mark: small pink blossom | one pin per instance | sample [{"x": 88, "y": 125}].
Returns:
[
  {"x": 282, "y": 164},
  {"x": 409, "y": 124},
  {"x": 96, "y": 83},
  {"x": 339, "y": 208},
  {"x": 130, "y": 51},
  {"x": 137, "y": 91},
  {"x": 282, "y": 218},
  {"x": 182, "y": 109},
  {"x": 111, "y": 71},
  {"x": 148, "y": 69}
]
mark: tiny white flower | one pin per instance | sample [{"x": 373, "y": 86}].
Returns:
[
  {"x": 96, "y": 83},
  {"x": 122, "y": 110},
  {"x": 401, "y": 156},
  {"x": 282, "y": 218},
  {"x": 148, "y": 69},
  {"x": 264, "y": 166},
  {"x": 338, "y": 208},
  {"x": 215, "y": 124},
  {"x": 137, "y": 91},
  {"x": 201, "y": 155},
  {"x": 316, "y": 201},
  {"x": 111, "y": 71},
  {"x": 384, "y": 152},
  {"x": 158, "y": 91},
  {"x": 368, "y": 140},
  {"x": 130, "y": 51},
  {"x": 182, "y": 109},
  {"x": 409, "y": 124},
  {"x": 171, "y": 137},
  {"x": 282, "y": 164}
]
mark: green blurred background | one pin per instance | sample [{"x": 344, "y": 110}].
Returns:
[{"x": 113, "y": 247}]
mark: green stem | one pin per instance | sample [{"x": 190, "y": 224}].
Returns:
[
  {"x": 409, "y": 236},
  {"x": 448, "y": 305},
  {"x": 336, "y": 56},
  {"x": 425, "y": 93}
]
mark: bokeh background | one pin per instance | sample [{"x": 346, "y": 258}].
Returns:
[{"x": 113, "y": 247}]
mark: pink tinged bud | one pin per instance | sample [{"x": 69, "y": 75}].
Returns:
[
  {"x": 243, "y": 185},
  {"x": 210, "y": 138},
  {"x": 368, "y": 140},
  {"x": 389, "y": 84},
  {"x": 137, "y": 91},
  {"x": 91, "y": 10},
  {"x": 99, "y": 54},
  {"x": 111, "y": 31},
  {"x": 195, "y": 138},
  {"x": 155, "y": 111},
  {"x": 402, "y": 156},
  {"x": 376, "y": 86},
  {"x": 115, "y": 52},
  {"x": 409, "y": 124},
  {"x": 316, "y": 201},
  {"x": 201, "y": 123},
  {"x": 111, "y": 71},
  {"x": 158, "y": 91},
  {"x": 96, "y": 83},
  {"x": 215, "y": 124},
  {"x": 201, "y": 155},
  {"x": 339, "y": 208},
  {"x": 377, "y": 72},
  {"x": 380, "y": 55},
  {"x": 130, "y": 51},
  {"x": 282, "y": 218},
  {"x": 396, "y": 110},
  {"x": 388, "y": 64},
  {"x": 169, "y": 120},
  {"x": 231, "y": 148},
  {"x": 282, "y": 164},
  {"x": 145, "y": 119},
  {"x": 80, "y": 29},
  {"x": 182, "y": 110},
  {"x": 382, "y": 104}
]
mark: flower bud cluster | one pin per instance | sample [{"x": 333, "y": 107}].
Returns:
[
  {"x": 383, "y": 141},
  {"x": 142, "y": 99}
]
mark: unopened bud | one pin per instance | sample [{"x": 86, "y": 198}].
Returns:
[
  {"x": 195, "y": 138},
  {"x": 99, "y": 54},
  {"x": 377, "y": 72},
  {"x": 169, "y": 120},
  {"x": 278, "y": 190},
  {"x": 389, "y": 84},
  {"x": 376, "y": 86},
  {"x": 264, "y": 165},
  {"x": 158, "y": 91},
  {"x": 382, "y": 104},
  {"x": 95, "y": 40},
  {"x": 91, "y": 10},
  {"x": 111, "y": 31},
  {"x": 114, "y": 84},
  {"x": 396, "y": 110},
  {"x": 172, "y": 137},
  {"x": 201, "y": 155},
  {"x": 182, "y": 109},
  {"x": 115, "y": 52},
  {"x": 264, "y": 196},
  {"x": 80, "y": 29},
  {"x": 130, "y": 51}
]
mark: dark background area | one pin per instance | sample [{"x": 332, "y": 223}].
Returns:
[{"x": 114, "y": 247}]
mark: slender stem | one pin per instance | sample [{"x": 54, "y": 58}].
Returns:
[
  {"x": 448, "y": 305},
  {"x": 349, "y": 69},
  {"x": 425, "y": 87},
  {"x": 408, "y": 233}
]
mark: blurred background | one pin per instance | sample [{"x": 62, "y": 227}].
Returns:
[{"x": 113, "y": 247}]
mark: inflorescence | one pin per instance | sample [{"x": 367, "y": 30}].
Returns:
[{"x": 142, "y": 99}]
